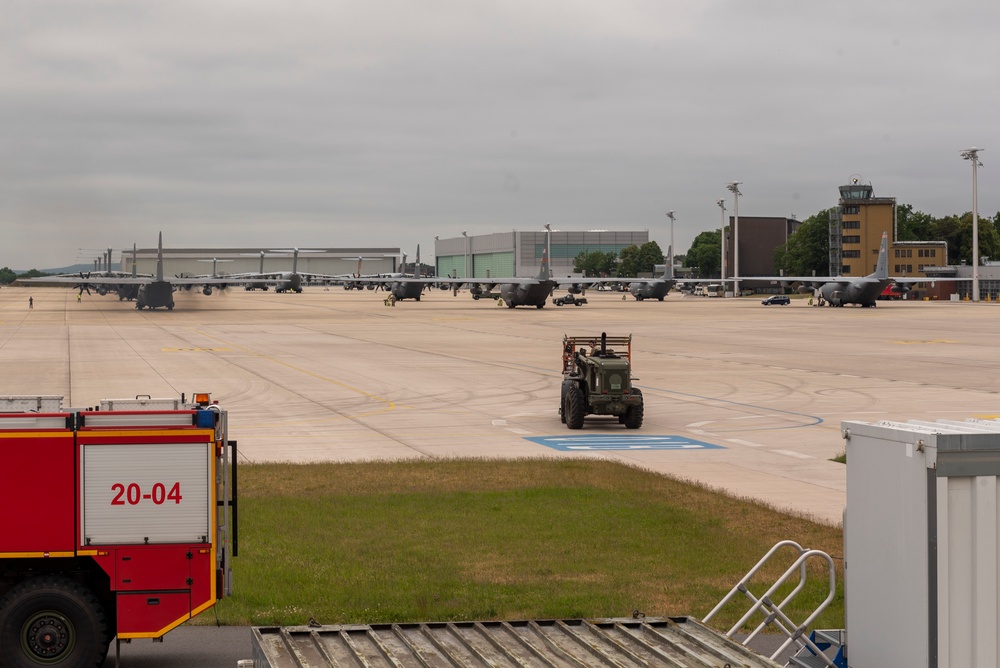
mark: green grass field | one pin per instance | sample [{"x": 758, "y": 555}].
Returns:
[{"x": 500, "y": 539}]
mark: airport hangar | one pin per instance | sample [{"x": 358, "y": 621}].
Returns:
[
  {"x": 198, "y": 261},
  {"x": 519, "y": 252},
  {"x": 514, "y": 253}
]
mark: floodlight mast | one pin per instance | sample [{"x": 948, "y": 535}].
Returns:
[
  {"x": 734, "y": 188},
  {"x": 670, "y": 215},
  {"x": 722, "y": 205},
  {"x": 972, "y": 155}
]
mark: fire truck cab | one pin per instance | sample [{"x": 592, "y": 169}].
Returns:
[{"x": 118, "y": 522}]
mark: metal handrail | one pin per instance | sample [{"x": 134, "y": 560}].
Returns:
[{"x": 774, "y": 612}]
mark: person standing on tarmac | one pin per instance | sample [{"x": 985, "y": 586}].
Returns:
[{"x": 31, "y": 302}]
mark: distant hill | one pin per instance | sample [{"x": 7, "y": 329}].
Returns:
[{"x": 72, "y": 269}]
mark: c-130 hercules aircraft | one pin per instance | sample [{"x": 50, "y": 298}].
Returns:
[
  {"x": 863, "y": 290},
  {"x": 514, "y": 291},
  {"x": 150, "y": 291}
]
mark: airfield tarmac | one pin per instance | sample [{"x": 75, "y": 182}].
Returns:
[{"x": 738, "y": 396}]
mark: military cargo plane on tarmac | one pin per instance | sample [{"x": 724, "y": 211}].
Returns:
[
  {"x": 150, "y": 291},
  {"x": 534, "y": 291},
  {"x": 398, "y": 285},
  {"x": 294, "y": 280},
  {"x": 842, "y": 290},
  {"x": 514, "y": 291},
  {"x": 656, "y": 288}
]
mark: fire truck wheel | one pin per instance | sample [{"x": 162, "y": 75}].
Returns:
[
  {"x": 52, "y": 621},
  {"x": 574, "y": 409}
]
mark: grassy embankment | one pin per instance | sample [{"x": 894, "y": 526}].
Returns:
[{"x": 500, "y": 539}]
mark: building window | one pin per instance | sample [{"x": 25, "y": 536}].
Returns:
[
  {"x": 933, "y": 252},
  {"x": 850, "y": 208},
  {"x": 855, "y": 239},
  {"x": 897, "y": 252},
  {"x": 909, "y": 268},
  {"x": 909, "y": 252},
  {"x": 852, "y": 253},
  {"x": 845, "y": 270},
  {"x": 852, "y": 224}
]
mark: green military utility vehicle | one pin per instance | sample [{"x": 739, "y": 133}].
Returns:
[{"x": 597, "y": 380}]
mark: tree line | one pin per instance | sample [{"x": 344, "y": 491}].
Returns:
[
  {"x": 627, "y": 263},
  {"x": 808, "y": 248},
  {"x": 8, "y": 275}
]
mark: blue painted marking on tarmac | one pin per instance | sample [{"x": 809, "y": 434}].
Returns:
[{"x": 589, "y": 442}]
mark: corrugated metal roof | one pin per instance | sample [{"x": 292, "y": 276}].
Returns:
[{"x": 572, "y": 643}]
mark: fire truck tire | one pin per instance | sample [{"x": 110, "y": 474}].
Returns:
[
  {"x": 52, "y": 621},
  {"x": 574, "y": 408},
  {"x": 633, "y": 418}
]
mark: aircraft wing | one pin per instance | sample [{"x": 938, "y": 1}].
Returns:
[
  {"x": 82, "y": 281},
  {"x": 74, "y": 281},
  {"x": 910, "y": 280},
  {"x": 192, "y": 281}
]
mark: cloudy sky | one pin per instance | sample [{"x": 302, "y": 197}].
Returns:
[{"x": 387, "y": 122}]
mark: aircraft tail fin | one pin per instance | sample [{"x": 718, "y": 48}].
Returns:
[
  {"x": 135, "y": 253},
  {"x": 159, "y": 259},
  {"x": 882, "y": 266},
  {"x": 543, "y": 273},
  {"x": 416, "y": 265}
]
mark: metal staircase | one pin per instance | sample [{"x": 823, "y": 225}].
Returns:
[{"x": 814, "y": 648}]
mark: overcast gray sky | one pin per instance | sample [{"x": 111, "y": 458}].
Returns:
[{"x": 385, "y": 123}]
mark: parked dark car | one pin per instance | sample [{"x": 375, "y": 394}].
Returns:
[{"x": 781, "y": 300}]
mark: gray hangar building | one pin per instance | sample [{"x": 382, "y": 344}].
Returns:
[
  {"x": 519, "y": 253},
  {"x": 198, "y": 261}
]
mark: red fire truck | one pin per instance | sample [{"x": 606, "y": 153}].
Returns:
[{"x": 117, "y": 522}]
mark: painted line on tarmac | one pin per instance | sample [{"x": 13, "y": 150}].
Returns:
[
  {"x": 590, "y": 442},
  {"x": 790, "y": 453},
  {"x": 749, "y": 444}
]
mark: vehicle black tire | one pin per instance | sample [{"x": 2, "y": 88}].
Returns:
[
  {"x": 539, "y": 305},
  {"x": 574, "y": 409},
  {"x": 659, "y": 299},
  {"x": 633, "y": 418},
  {"x": 563, "y": 409},
  {"x": 52, "y": 621},
  {"x": 563, "y": 400},
  {"x": 639, "y": 298}
]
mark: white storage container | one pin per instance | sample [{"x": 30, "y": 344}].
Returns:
[{"x": 921, "y": 552}]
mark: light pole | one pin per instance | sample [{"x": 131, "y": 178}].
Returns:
[
  {"x": 466, "y": 235},
  {"x": 670, "y": 215},
  {"x": 734, "y": 188},
  {"x": 722, "y": 205},
  {"x": 972, "y": 155}
]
